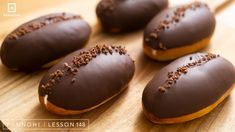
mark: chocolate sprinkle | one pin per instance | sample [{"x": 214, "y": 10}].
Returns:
[
  {"x": 174, "y": 76},
  {"x": 82, "y": 59},
  {"x": 38, "y": 25},
  {"x": 179, "y": 13}
]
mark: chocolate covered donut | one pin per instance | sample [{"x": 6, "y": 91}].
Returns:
[
  {"x": 86, "y": 79},
  {"x": 178, "y": 31},
  {"x": 127, "y": 15},
  {"x": 188, "y": 88},
  {"x": 43, "y": 40}
]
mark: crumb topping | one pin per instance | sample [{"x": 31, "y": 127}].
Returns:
[
  {"x": 173, "y": 76},
  {"x": 82, "y": 59},
  {"x": 179, "y": 13},
  {"x": 38, "y": 25}
]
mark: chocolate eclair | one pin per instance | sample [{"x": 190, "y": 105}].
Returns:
[
  {"x": 86, "y": 79},
  {"x": 41, "y": 41},
  {"x": 127, "y": 15},
  {"x": 178, "y": 31},
  {"x": 188, "y": 88}
]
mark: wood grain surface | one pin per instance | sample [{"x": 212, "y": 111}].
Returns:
[{"x": 18, "y": 90}]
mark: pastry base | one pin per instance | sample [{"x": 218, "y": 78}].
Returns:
[
  {"x": 170, "y": 54},
  {"x": 188, "y": 117},
  {"x": 61, "y": 111}
]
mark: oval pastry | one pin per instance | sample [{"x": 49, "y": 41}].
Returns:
[
  {"x": 86, "y": 79},
  {"x": 178, "y": 31},
  {"x": 188, "y": 88},
  {"x": 43, "y": 40},
  {"x": 127, "y": 15}
]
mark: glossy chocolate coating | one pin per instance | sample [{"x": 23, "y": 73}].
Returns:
[
  {"x": 193, "y": 25},
  {"x": 200, "y": 87},
  {"x": 41, "y": 45},
  {"x": 127, "y": 15},
  {"x": 103, "y": 77}
]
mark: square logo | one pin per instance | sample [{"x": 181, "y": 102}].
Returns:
[{"x": 11, "y": 7}]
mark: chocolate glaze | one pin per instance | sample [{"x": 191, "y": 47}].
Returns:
[
  {"x": 98, "y": 79},
  {"x": 198, "y": 88},
  {"x": 127, "y": 15},
  {"x": 44, "y": 39},
  {"x": 180, "y": 26}
]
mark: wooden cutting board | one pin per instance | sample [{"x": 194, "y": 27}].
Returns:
[{"x": 18, "y": 90}]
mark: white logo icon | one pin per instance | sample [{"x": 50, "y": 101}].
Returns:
[{"x": 11, "y": 7}]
